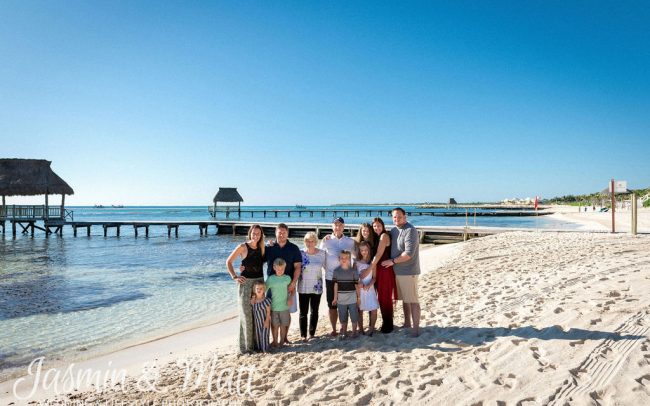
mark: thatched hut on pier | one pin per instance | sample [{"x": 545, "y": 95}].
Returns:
[
  {"x": 227, "y": 195},
  {"x": 31, "y": 177}
]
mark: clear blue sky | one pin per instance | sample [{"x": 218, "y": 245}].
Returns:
[{"x": 326, "y": 102}]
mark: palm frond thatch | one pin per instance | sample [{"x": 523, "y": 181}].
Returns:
[
  {"x": 30, "y": 177},
  {"x": 228, "y": 195}
]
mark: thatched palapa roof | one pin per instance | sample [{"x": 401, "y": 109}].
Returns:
[
  {"x": 228, "y": 195},
  {"x": 30, "y": 177}
]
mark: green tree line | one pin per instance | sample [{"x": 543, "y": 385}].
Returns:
[{"x": 594, "y": 198}]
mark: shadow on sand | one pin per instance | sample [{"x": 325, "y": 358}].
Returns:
[{"x": 451, "y": 339}]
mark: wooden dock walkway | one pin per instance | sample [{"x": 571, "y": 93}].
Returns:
[
  {"x": 370, "y": 212},
  {"x": 428, "y": 234},
  {"x": 137, "y": 225},
  {"x": 27, "y": 216},
  {"x": 55, "y": 218}
]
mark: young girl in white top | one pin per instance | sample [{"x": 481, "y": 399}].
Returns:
[{"x": 369, "y": 302}]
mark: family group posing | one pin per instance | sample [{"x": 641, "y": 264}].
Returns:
[{"x": 369, "y": 272}]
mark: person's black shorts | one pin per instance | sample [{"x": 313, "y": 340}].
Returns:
[{"x": 329, "y": 291}]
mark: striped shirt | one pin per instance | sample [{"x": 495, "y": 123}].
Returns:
[{"x": 347, "y": 280}]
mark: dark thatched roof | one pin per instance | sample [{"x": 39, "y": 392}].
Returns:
[
  {"x": 228, "y": 195},
  {"x": 30, "y": 177}
]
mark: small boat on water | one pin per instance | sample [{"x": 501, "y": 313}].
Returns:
[
  {"x": 99, "y": 206},
  {"x": 300, "y": 206}
]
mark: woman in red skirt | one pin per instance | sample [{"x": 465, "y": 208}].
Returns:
[{"x": 384, "y": 276}]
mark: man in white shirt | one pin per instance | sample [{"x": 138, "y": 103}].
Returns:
[{"x": 333, "y": 244}]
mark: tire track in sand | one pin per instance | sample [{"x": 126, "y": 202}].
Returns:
[{"x": 602, "y": 363}]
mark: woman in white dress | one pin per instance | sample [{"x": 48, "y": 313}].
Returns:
[{"x": 368, "y": 294}]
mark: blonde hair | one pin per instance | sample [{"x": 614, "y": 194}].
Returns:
[
  {"x": 255, "y": 285},
  {"x": 371, "y": 236},
  {"x": 310, "y": 236},
  {"x": 345, "y": 253}
]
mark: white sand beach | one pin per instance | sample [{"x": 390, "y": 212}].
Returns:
[
  {"x": 514, "y": 318},
  {"x": 602, "y": 221}
]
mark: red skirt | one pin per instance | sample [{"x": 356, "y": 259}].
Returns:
[{"x": 386, "y": 294}]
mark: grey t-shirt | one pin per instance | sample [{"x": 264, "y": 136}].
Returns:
[
  {"x": 347, "y": 280},
  {"x": 405, "y": 239}
]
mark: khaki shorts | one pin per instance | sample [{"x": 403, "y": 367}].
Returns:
[
  {"x": 282, "y": 318},
  {"x": 407, "y": 288}
]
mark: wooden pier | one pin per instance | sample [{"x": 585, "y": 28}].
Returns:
[
  {"x": 137, "y": 225},
  {"x": 428, "y": 234},
  {"x": 32, "y": 177},
  {"x": 370, "y": 212},
  {"x": 27, "y": 217}
]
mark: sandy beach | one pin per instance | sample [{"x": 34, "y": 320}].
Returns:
[
  {"x": 514, "y": 318},
  {"x": 597, "y": 221},
  {"x": 151, "y": 149}
]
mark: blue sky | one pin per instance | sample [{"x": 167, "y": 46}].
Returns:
[{"x": 327, "y": 102}]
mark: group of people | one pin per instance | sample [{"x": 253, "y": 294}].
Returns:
[{"x": 362, "y": 275}]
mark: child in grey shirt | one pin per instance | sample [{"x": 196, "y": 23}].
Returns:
[{"x": 346, "y": 293}]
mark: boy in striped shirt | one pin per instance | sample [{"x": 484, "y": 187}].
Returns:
[{"x": 346, "y": 293}]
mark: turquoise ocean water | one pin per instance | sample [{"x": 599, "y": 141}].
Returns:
[{"x": 70, "y": 297}]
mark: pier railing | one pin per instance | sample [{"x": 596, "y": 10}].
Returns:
[
  {"x": 333, "y": 212},
  {"x": 24, "y": 212}
]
